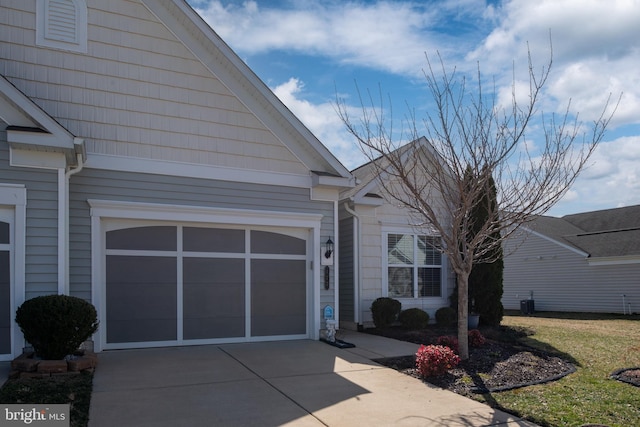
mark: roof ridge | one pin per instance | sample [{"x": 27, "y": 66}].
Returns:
[{"x": 614, "y": 230}]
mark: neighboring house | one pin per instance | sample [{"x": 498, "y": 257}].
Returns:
[
  {"x": 145, "y": 168},
  {"x": 383, "y": 253},
  {"x": 587, "y": 262}
]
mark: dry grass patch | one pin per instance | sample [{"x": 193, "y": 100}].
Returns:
[{"x": 599, "y": 344}]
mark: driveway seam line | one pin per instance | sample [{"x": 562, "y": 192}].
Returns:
[
  {"x": 175, "y": 385},
  {"x": 273, "y": 386}
]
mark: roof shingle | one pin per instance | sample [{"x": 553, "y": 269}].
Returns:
[{"x": 605, "y": 233}]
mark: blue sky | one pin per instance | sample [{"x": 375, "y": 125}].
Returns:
[{"x": 308, "y": 51}]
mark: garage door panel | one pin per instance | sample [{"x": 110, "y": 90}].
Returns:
[
  {"x": 213, "y": 327},
  {"x": 278, "y": 297},
  {"x": 200, "y": 239},
  {"x": 142, "y": 330},
  {"x": 4, "y": 232},
  {"x": 141, "y": 269},
  {"x": 141, "y": 298},
  {"x": 266, "y": 326},
  {"x": 214, "y": 298},
  {"x": 126, "y": 301},
  {"x": 5, "y": 302},
  {"x": 266, "y": 242},
  {"x": 155, "y": 238}
]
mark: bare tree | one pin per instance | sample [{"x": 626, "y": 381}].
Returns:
[{"x": 469, "y": 134}]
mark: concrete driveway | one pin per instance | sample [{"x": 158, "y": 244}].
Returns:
[{"x": 297, "y": 383}]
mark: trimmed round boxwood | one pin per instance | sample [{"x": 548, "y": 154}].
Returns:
[
  {"x": 56, "y": 325},
  {"x": 385, "y": 311},
  {"x": 414, "y": 318},
  {"x": 446, "y": 316}
]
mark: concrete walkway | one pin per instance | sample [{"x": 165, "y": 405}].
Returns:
[{"x": 295, "y": 383}]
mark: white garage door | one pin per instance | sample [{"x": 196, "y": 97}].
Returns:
[{"x": 182, "y": 284}]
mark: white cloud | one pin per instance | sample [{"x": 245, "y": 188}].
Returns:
[
  {"x": 596, "y": 50},
  {"x": 391, "y": 36},
  {"x": 612, "y": 179},
  {"x": 323, "y": 121}
]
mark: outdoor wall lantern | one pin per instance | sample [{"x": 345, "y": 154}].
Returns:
[
  {"x": 328, "y": 249},
  {"x": 326, "y": 259},
  {"x": 327, "y": 253}
]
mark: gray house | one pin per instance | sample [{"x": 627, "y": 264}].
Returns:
[
  {"x": 587, "y": 262},
  {"x": 383, "y": 253},
  {"x": 145, "y": 168}
]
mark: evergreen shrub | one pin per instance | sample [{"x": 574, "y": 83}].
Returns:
[
  {"x": 385, "y": 311},
  {"x": 414, "y": 318},
  {"x": 445, "y": 316},
  {"x": 56, "y": 325}
]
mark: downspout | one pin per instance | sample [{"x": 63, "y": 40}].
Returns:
[
  {"x": 356, "y": 270},
  {"x": 63, "y": 234},
  {"x": 336, "y": 266}
]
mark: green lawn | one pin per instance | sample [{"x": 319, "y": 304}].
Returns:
[{"x": 598, "y": 345}]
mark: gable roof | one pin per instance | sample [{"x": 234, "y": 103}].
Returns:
[
  {"x": 223, "y": 62},
  {"x": 367, "y": 187},
  {"x": 30, "y": 128},
  {"x": 600, "y": 234}
]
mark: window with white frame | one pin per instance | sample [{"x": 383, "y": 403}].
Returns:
[{"x": 414, "y": 266}]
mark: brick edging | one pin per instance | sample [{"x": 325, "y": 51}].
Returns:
[{"x": 28, "y": 366}]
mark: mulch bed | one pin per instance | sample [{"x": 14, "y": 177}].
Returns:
[
  {"x": 494, "y": 367},
  {"x": 628, "y": 375}
]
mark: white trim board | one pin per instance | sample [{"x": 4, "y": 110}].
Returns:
[
  {"x": 185, "y": 213},
  {"x": 192, "y": 170},
  {"x": 552, "y": 240},
  {"x": 28, "y": 111},
  {"x": 614, "y": 260}
]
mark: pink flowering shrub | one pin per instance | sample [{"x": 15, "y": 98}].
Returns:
[
  {"x": 448, "y": 341},
  {"x": 476, "y": 339},
  {"x": 435, "y": 360}
]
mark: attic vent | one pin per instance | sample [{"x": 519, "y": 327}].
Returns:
[
  {"x": 61, "y": 21},
  {"x": 62, "y": 24}
]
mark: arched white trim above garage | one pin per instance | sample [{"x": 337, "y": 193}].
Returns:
[{"x": 109, "y": 216}]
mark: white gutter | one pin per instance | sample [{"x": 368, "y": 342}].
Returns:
[
  {"x": 336, "y": 266},
  {"x": 356, "y": 260},
  {"x": 614, "y": 260},
  {"x": 63, "y": 224}
]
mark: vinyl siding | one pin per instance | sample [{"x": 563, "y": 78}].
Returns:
[
  {"x": 371, "y": 262},
  {"x": 138, "y": 92},
  {"x": 562, "y": 280},
  {"x": 147, "y": 188},
  {"x": 41, "y": 252},
  {"x": 347, "y": 267}
]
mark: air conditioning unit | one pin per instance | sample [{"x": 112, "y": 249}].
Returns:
[{"x": 527, "y": 306}]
